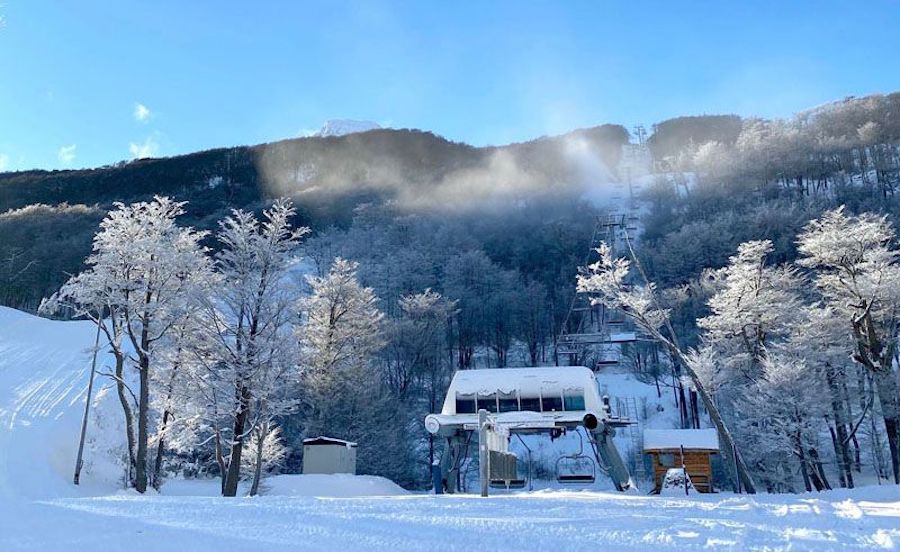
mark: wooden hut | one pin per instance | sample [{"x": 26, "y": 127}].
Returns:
[{"x": 692, "y": 448}]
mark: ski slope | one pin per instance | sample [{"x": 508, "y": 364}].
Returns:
[{"x": 44, "y": 367}]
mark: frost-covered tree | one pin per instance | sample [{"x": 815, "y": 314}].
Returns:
[
  {"x": 779, "y": 422},
  {"x": 342, "y": 320},
  {"x": 265, "y": 452},
  {"x": 172, "y": 397},
  {"x": 821, "y": 339},
  {"x": 143, "y": 271},
  {"x": 87, "y": 295},
  {"x": 248, "y": 348},
  {"x": 344, "y": 396},
  {"x": 857, "y": 271},
  {"x": 751, "y": 307},
  {"x": 608, "y": 282}
]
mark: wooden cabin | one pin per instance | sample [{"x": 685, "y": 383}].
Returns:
[{"x": 672, "y": 448}]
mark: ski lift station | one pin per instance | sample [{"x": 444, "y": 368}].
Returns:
[
  {"x": 516, "y": 401},
  {"x": 691, "y": 449},
  {"x": 327, "y": 455}
]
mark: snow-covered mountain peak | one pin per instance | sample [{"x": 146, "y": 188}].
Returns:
[{"x": 341, "y": 127}]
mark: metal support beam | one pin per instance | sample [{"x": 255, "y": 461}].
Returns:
[
  {"x": 484, "y": 457},
  {"x": 608, "y": 455},
  {"x": 450, "y": 462}
]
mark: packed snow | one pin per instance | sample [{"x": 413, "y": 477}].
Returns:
[
  {"x": 556, "y": 520},
  {"x": 44, "y": 367}
]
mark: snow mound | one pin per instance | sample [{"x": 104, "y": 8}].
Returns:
[
  {"x": 338, "y": 485},
  {"x": 342, "y": 127}
]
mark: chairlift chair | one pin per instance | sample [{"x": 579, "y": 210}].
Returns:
[
  {"x": 519, "y": 482},
  {"x": 570, "y": 468},
  {"x": 511, "y": 484}
]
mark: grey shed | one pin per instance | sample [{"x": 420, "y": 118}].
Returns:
[{"x": 328, "y": 455}]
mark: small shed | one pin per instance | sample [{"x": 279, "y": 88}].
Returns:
[
  {"x": 672, "y": 448},
  {"x": 328, "y": 455}
]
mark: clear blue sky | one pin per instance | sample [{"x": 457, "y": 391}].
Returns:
[{"x": 218, "y": 73}]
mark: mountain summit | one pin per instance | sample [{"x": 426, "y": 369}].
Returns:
[{"x": 341, "y": 127}]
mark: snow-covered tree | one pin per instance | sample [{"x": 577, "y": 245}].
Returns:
[
  {"x": 344, "y": 394},
  {"x": 172, "y": 398},
  {"x": 779, "y": 422},
  {"x": 607, "y": 280},
  {"x": 752, "y": 306},
  {"x": 143, "y": 270},
  {"x": 87, "y": 294},
  {"x": 821, "y": 339},
  {"x": 342, "y": 320},
  {"x": 248, "y": 348},
  {"x": 857, "y": 271},
  {"x": 265, "y": 452},
  {"x": 750, "y": 309}
]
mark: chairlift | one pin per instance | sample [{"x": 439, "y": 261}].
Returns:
[{"x": 576, "y": 469}]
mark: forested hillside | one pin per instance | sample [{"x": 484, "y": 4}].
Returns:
[
  {"x": 450, "y": 256},
  {"x": 48, "y": 217}
]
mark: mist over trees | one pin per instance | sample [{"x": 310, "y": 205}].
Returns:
[{"x": 48, "y": 217}]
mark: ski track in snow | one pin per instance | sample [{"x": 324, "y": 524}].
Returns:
[{"x": 43, "y": 373}]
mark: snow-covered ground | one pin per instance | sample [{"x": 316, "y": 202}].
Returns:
[
  {"x": 43, "y": 373},
  {"x": 536, "y": 521}
]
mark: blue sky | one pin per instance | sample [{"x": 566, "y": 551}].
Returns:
[{"x": 73, "y": 75}]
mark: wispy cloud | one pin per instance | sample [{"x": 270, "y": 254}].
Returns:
[
  {"x": 142, "y": 113},
  {"x": 4, "y": 162},
  {"x": 149, "y": 148},
  {"x": 66, "y": 154}
]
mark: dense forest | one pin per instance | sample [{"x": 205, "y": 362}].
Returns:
[{"x": 482, "y": 246}]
